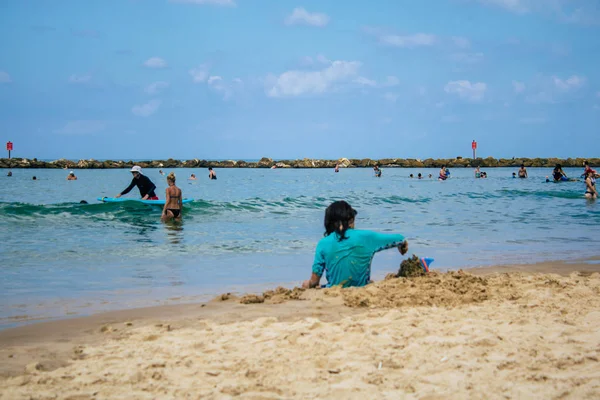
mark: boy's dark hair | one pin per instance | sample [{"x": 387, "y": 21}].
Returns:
[
  {"x": 210, "y": 168},
  {"x": 338, "y": 213}
]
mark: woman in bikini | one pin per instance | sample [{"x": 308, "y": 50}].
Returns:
[
  {"x": 173, "y": 204},
  {"x": 590, "y": 185}
]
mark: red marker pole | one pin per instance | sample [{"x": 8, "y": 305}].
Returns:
[
  {"x": 474, "y": 147},
  {"x": 9, "y": 147}
]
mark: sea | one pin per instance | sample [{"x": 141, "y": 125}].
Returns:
[{"x": 254, "y": 229}]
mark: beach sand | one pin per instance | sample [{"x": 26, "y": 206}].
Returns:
[{"x": 504, "y": 332}]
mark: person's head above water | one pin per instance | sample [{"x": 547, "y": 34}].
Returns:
[
  {"x": 339, "y": 216},
  {"x": 171, "y": 177},
  {"x": 210, "y": 168}
]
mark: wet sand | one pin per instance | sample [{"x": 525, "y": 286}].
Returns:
[{"x": 529, "y": 331}]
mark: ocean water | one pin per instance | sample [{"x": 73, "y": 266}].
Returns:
[{"x": 257, "y": 228}]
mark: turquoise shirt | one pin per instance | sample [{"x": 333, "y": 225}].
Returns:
[{"x": 348, "y": 261}]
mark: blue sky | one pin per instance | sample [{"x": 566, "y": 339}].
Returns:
[{"x": 243, "y": 79}]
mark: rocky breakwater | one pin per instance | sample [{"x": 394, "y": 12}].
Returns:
[{"x": 265, "y": 162}]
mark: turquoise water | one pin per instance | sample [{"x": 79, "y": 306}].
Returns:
[{"x": 256, "y": 228}]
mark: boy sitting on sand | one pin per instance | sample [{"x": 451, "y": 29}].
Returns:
[{"x": 345, "y": 254}]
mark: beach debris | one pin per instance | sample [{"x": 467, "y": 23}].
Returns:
[
  {"x": 411, "y": 268},
  {"x": 225, "y": 296},
  {"x": 252, "y": 299},
  {"x": 334, "y": 371},
  {"x": 213, "y": 373},
  {"x": 107, "y": 329}
]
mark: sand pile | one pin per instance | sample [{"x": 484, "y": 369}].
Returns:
[{"x": 439, "y": 336}]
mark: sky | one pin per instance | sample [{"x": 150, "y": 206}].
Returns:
[{"x": 245, "y": 79}]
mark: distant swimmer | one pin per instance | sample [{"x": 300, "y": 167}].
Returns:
[
  {"x": 411, "y": 176},
  {"x": 590, "y": 185},
  {"x": 274, "y": 167},
  {"x": 558, "y": 174},
  {"x": 419, "y": 176},
  {"x": 173, "y": 202},
  {"x": 211, "y": 174},
  {"x": 160, "y": 171},
  {"x": 192, "y": 177},
  {"x": 34, "y": 178},
  {"x": 430, "y": 176},
  {"x": 377, "y": 171},
  {"x": 337, "y": 168},
  {"x": 514, "y": 174},
  {"x": 143, "y": 183},
  {"x": 477, "y": 173},
  {"x": 71, "y": 176},
  {"x": 587, "y": 168},
  {"x": 9, "y": 173},
  {"x": 522, "y": 171},
  {"x": 443, "y": 175}
]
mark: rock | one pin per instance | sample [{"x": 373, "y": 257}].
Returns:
[
  {"x": 344, "y": 163},
  {"x": 265, "y": 163}
]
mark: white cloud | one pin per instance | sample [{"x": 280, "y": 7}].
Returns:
[
  {"x": 156, "y": 87},
  {"x": 556, "y": 90},
  {"x": 301, "y": 16},
  {"x": 568, "y": 11},
  {"x": 361, "y": 80},
  {"x": 323, "y": 60},
  {"x": 81, "y": 127},
  {"x": 214, "y": 80},
  {"x": 155, "y": 62},
  {"x": 5, "y": 77},
  {"x": 392, "y": 81},
  {"x": 573, "y": 82},
  {"x": 229, "y": 3},
  {"x": 146, "y": 110},
  {"x": 468, "y": 58},
  {"x": 200, "y": 73},
  {"x": 227, "y": 90},
  {"x": 466, "y": 90},
  {"x": 77, "y": 79},
  {"x": 408, "y": 41},
  {"x": 518, "y": 87},
  {"x": 296, "y": 83},
  {"x": 461, "y": 42},
  {"x": 392, "y": 97}
]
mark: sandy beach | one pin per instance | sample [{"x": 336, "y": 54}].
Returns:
[{"x": 504, "y": 332}]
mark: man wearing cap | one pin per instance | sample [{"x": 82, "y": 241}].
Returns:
[{"x": 143, "y": 183}]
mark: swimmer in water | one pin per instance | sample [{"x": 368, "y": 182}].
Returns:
[
  {"x": 211, "y": 174},
  {"x": 173, "y": 203}
]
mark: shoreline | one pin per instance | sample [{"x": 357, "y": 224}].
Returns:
[
  {"x": 521, "y": 326},
  {"x": 265, "y": 162}
]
